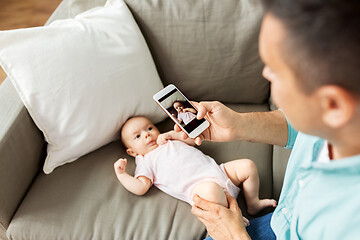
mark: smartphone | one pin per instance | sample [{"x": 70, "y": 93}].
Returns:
[{"x": 180, "y": 110}]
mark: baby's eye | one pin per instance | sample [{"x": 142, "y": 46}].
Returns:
[
  {"x": 150, "y": 128},
  {"x": 137, "y": 136}
]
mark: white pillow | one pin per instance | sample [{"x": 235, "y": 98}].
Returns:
[{"x": 81, "y": 78}]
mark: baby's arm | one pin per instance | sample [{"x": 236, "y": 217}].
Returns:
[
  {"x": 172, "y": 135},
  {"x": 190, "y": 110},
  {"x": 138, "y": 186}
]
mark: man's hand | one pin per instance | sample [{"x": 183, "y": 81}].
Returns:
[
  {"x": 226, "y": 125},
  {"x": 120, "y": 166},
  {"x": 223, "y": 122},
  {"x": 221, "y": 222}
]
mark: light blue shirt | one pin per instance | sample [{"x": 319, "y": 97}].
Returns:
[{"x": 318, "y": 200}]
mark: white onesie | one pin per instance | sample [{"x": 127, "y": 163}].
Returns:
[
  {"x": 186, "y": 117},
  {"x": 175, "y": 168}
]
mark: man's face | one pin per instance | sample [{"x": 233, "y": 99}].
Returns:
[
  {"x": 140, "y": 135},
  {"x": 301, "y": 109}
]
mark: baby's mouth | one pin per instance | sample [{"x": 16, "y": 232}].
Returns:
[{"x": 152, "y": 142}]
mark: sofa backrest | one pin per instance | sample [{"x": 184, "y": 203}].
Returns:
[{"x": 209, "y": 49}]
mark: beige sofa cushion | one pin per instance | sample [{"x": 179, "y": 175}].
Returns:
[
  {"x": 84, "y": 200},
  {"x": 209, "y": 49}
]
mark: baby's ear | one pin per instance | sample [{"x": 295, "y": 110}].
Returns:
[{"x": 131, "y": 152}]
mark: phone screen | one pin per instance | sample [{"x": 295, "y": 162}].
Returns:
[{"x": 181, "y": 109}]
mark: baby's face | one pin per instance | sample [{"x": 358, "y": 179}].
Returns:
[
  {"x": 178, "y": 106},
  {"x": 139, "y": 136}
]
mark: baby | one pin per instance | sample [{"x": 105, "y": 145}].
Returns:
[
  {"x": 179, "y": 169},
  {"x": 185, "y": 115}
]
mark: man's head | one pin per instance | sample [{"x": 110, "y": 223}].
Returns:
[
  {"x": 310, "y": 49},
  {"x": 139, "y": 136},
  {"x": 178, "y": 106}
]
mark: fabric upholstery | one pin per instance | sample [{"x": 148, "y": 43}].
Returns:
[
  {"x": 208, "y": 49},
  {"x": 83, "y": 199},
  {"x": 21, "y": 151},
  {"x": 90, "y": 203},
  {"x": 82, "y": 78}
]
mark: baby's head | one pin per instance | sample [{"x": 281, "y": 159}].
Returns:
[
  {"x": 139, "y": 136},
  {"x": 178, "y": 106}
]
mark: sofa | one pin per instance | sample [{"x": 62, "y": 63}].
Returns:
[{"x": 209, "y": 50}]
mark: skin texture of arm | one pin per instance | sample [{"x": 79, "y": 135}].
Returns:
[
  {"x": 264, "y": 127},
  {"x": 138, "y": 186},
  {"x": 227, "y": 125},
  {"x": 173, "y": 135}
]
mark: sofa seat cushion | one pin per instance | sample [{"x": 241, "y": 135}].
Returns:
[{"x": 84, "y": 200}]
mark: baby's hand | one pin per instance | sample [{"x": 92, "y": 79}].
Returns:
[
  {"x": 163, "y": 138},
  {"x": 120, "y": 166}
]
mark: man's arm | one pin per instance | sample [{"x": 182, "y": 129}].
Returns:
[
  {"x": 227, "y": 125},
  {"x": 265, "y": 127}
]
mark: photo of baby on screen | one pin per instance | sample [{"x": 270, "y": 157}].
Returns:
[
  {"x": 179, "y": 108},
  {"x": 184, "y": 114}
]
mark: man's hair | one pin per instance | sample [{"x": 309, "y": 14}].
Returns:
[{"x": 322, "y": 44}]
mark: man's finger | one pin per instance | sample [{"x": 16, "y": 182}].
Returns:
[
  {"x": 202, "y": 215},
  {"x": 204, "y": 221},
  {"x": 177, "y": 128},
  {"x": 197, "y": 211},
  {"x": 199, "y": 214},
  {"x": 184, "y": 136},
  {"x": 204, "y": 108},
  {"x": 203, "y": 204},
  {"x": 246, "y": 222},
  {"x": 196, "y": 104},
  {"x": 233, "y": 205},
  {"x": 201, "y": 107},
  {"x": 199, "y": 139}
]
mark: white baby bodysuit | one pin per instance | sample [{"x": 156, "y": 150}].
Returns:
[
  {"x": 186, "y": 117},
  {"x": 175, "y": 168}
]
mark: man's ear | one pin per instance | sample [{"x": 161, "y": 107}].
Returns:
[
  {"x": 131, "y": 152},
  {"x": 338, "y": 105}
]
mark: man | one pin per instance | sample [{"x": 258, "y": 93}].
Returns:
[{"x": 310, "y": 49}]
